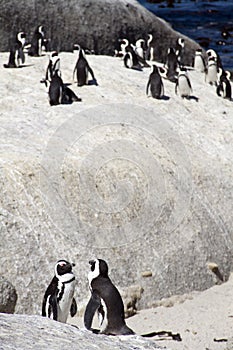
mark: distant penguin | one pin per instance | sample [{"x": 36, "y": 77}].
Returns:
[
  {"x": 224, "y": 85},
  {"x": 140, "y": 48},
  {"x": 171, "y": 65},
  {"x": 16, "y": 56},
  {"x": 180, "y": 43},
  {"x": 53, "y": 66},
  {"x": 105, "y": 296},
  {"x": 183, "y": 84},
  {"x": 59, "y": 93},
  {"x": 37, "y": 42},
  {"x": 199, "y": 62},
  {"x": 150, "y": 54},
  {"x": 82, "y": 68},
  {"x": 58, "y": 299},
  {"x": 213, "y": 54},
  {"x": 212, "y": 71},
  {"x": 155, "y": 84}
]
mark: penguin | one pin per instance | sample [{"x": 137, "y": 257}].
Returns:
[
  {"x": 155, "y": 84},
  {"x": 58, "y": 299},
  {"x": 224, "y": 85},
  {"x": 53, "y": 66},
  {"x": 140, "y": 48},
  {"x": 199, "y": 62},
  {"x": 16, "y": 56},
  {"x": 171, "y": 65},
  {"x": 212, "y": 70},
  {"x": 59, "y": 93},
  {"x": 150, "y": 55},
  {"x": 213, "y": 54},
  {"x": 82, "y": 68},
  {"x": 105, "y": 296},
  {"x": 183, "y": 84},
  {"x": 180, "y": 43},
  {"x": 37, "y": 42}
]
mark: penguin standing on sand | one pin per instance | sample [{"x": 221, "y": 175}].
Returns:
[
  {"x": 199, "y": 62},
  {"x": 105, "y": 296},
  {"x": 53, "y": 66},
  {"x": 212, "y": 71},
  {"x": 59, "y": 93},
  {"x": 140, "y": 48},
  {"x": 16, "y": 56},
  {"x": 183, "y": 84},
  {"x": 224, "y": 85},
  {"x": 171, "y": 65},
  {"x": 37, "y": 42},
  {"x": 155, "y": 84},
  {"x": 82, "y": 68},
  {"x": 59, "y": 300},
  {"x": 150, "y": 54}
]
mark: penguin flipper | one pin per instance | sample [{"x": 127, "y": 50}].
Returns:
[
  {"x": 93, "y": 304},
  {"x": 73, "y": 308},
  {"x": 148, "y": 85}
]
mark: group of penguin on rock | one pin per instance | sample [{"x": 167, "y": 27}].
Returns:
[
  {"x": 136, "y": 56},
  {"x": 105, "y": 301}
]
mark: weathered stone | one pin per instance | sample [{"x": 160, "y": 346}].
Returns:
[
  {"x": 96, "y": 25},
  {"x": 23, "y": 332},
  {"x": 8, "y": 296}
]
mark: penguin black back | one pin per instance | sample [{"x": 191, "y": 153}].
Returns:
[{"x": 104, "y": 290}]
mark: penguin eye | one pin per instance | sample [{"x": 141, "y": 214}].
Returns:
[{"x": 93, "y": 267}]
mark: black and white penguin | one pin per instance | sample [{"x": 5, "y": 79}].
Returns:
[
  {"x": 183, "y": 84},
  {"x": 59, "y": 93},
  {"x": 82, "y": 68},
  {"x": 212, "y": 71},
  {"x": 37, "y": 42},
  {"x": 180, "y": 43},
  {"x": 140, "y": 48},
  {"x": 106, "y": 297},
  {"x": 224, "y": 84},
  {"x": 53, "y": 66},
  {"x": 171, "y": 65},
  {"x": 151, "y": 44},
  {"x": 212, "y": 54},
  {"x": 155, "y": 84},
  {"x": 58, "y": 299},
  {"x": 199, "y": 61},
  {"x": 16, "y": 56}
]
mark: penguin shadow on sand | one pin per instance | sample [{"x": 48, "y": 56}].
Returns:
[
  {"x": 107, "y": 302},
  {"x": 155, "y": 87},
  {"x": 83, "y": 69}
]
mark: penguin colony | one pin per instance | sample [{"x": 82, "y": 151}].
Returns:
[
  {"x": 138, "y": 56},
  {"x": 105, "y": 299}
]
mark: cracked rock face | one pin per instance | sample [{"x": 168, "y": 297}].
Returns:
[
  {"x": 8, "y": 296},
  {"x": 29, "y": 332}
]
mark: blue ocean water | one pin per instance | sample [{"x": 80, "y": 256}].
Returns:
[{"x": 202, "y": 21}]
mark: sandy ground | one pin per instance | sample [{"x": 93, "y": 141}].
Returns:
[{"x": 200, "y": 321}]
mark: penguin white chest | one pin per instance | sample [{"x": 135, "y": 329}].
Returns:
[
  {"x": 184, "y": 86},
  {"x": 66, "y": 296}
]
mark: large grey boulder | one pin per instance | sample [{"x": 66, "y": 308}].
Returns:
[
  {"x": 8, "y": 296},
  {"x": 21, "y": 332},
  {"x": 96, "y": 25}
]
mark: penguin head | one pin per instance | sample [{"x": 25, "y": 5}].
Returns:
[
  {"x": 211, "y": 53},
  {"x": 21, "y": 37},
  {"x": 62, "y": 267},
  {"x": 99, "y": 267},
  {"x": 181, "y": 42},
  {"x": 155, "y": 69},
  {"x": 40, "y": 30}
]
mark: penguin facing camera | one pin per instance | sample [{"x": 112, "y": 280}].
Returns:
[
  {"x": 16, "y": 56},
  {"x": 58, "y": 299}
]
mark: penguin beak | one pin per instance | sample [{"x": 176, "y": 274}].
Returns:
[
  {"x": 73, "y": 264},
  {"x": 91, "y": 262}
]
